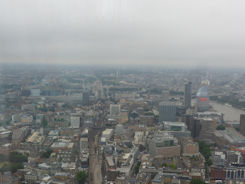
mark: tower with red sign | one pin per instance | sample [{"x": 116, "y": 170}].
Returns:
[{"x": 202, "y": 99}]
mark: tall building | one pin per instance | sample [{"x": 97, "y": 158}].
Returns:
[
  {"x": 207, "y": 130},
  {"x": 242, "y": 124},
  {"x": 201, "y": 128},
  {"x": 115, "y": 110},
  {"x": 202, "y": 99},
  {"x": 188, "y": 95},
  {"x": 167, "y": 111},
  {"x": 86, "y": 98}
]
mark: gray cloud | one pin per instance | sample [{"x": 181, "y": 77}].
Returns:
[{"x": 158, "y": 32}]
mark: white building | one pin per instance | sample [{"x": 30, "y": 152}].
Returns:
[
  {"x": 75, "y": 121},
  {"x": 107, "y": 133}
]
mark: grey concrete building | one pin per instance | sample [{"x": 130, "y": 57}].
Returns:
[{"x": 167, "y": 111}]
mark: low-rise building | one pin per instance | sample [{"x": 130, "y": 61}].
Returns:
[{"x": 163, "y": 145}]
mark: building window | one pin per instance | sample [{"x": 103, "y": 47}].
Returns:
[{"x": 228, "y": 174}]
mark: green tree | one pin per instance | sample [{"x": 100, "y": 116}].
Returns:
[
  {"x": 172, "y": 166},
  {"x": 81, "y": 177},
  {"x": 197, "y": 181},
  {"x": 10, "y": 166},
  {"x": 204, "y": 149},
  {"x": 15, "y": 166},
  {"x": 209, "y": 162},
  {"x": 220, "y": 127},
  {"x": 17, "y": 157}
]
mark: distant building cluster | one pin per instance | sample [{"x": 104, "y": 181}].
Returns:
[{"x": 121, "y": 126}]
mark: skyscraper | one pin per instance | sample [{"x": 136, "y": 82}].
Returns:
[
  {"x": 167, "y": 111},
  {"x": 86, "y": 98},
  {"x": 242, "y": 124},
  {"x": 115, "y": 110},
  {"x": 188, "y": 95},
  {"x": 202, "y": 99}
]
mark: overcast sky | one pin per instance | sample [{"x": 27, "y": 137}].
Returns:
[{"x": 155, "y": 32}]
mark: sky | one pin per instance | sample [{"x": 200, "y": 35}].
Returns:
[{"x": 123, "y": 32}]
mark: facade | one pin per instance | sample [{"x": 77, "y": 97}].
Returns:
[
  {"x": 233, "y": 174},
  {"x": 167, "y": 111},
  {"x": 234, "y": 157},
  {"x": 163, "y": 145},
  {"x": 177, "y": 129},
  {"x": 201, "y": 128},
  {"x": 188, "y": 95},
  {"x": 174, "y": 126},
  {"x": 207, "y": 129},
  {"x": 217, "y": 116},
  {"x": 115, "y": 110},
  {"x": 202, "y": 99},
  {"x": 242, "y": 124},
  {"x": 75, "y": 121},
  {"x": 189, "y": 148},
  {"x": 217, "y": 173},
  {"x": 162, "y": 178},
  {"x": 86, "y": 100}
]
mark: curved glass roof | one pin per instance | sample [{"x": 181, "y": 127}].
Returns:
[{"x": 203, "y": 91}]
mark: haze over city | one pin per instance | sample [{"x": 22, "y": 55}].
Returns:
[
  {"x": 122, "y": 92},
  {"x": 168, "y": 33}
]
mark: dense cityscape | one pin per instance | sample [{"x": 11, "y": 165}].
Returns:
[
  {"x": 122, "y": 92},
  {"x": 64, "y": 124}
]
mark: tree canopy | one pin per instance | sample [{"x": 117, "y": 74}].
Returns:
[
  {"x": 12, "y": 162},
  {"x": 204, "y": 149},
  {"x": 197, "y": 181},
  {"x": 220, "y": 127},
  {"x": 17, "y": 157},
  {"x": 81, "y": 177}
]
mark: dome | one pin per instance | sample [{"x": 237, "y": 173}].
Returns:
[{"x": 203, "y": 92}]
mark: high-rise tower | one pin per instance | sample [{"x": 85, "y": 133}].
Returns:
[{"x": 188, "y": 95}]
